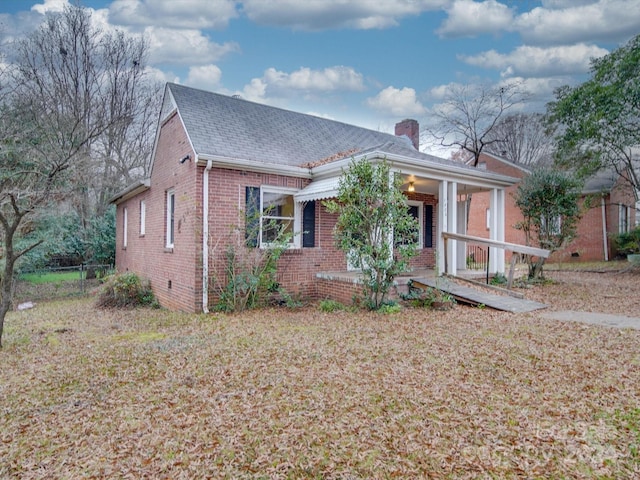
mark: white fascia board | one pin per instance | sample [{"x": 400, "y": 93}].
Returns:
[
  {"x": 162, "y": 122},
  {"x": 422, "y": 168},
  {"x": 131, "y": 191},
  {"x": 253, "y": 166}
]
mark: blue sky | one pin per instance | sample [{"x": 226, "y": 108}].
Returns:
[{"x": 366, "y": 62}]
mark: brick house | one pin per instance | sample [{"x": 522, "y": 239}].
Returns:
[
  {"x": 611, "y": 210},
  {"x": 216, "y": 157}
]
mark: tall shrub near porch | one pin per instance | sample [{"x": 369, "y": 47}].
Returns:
[{"x": 374, "y": 227}]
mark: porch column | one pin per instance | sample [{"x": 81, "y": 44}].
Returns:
[
  {"x": 452, "y": 226},
  {"x": 443, "y": 211},
  {"x": 496, "y": 229}
]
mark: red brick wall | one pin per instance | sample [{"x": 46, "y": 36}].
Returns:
[
  {"x": 480, "y": 204},
  {"x": 588, "y": 244},
  {"x": 173, "y": 272},
  {"x": 297, "y": 268},
  {"x": 176, "y": 274}
]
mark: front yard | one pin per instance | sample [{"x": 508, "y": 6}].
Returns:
[{"x": 469, "y": 393}]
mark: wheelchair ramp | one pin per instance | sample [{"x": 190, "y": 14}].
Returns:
[{"x": 474, "y": 296}]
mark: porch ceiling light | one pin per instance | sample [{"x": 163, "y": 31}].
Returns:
[{"x": 412, "y": 187}]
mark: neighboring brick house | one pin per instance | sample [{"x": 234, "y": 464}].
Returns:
[
  {"x": 216, "y": 157},
  {"x": 611, "y": 210}
]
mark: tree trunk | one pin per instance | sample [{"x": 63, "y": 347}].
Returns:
[{"x": 6, "y": 282}]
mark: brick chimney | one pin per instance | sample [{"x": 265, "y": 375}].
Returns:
[{"x": 411, "y": 129}]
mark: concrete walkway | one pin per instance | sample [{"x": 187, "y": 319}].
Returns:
[{"x": 594, "y": 318}]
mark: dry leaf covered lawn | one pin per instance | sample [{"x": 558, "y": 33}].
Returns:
[{"x": 469, "y": 393}]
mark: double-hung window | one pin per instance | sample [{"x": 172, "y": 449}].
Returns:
[
  {"x": 624, "y": 217},
  {"x": 170, "y": 220},
  {"x": 143, "y": 217},
  {"x": 551, "y": 225},
  {"x": 279, "y": 217},
  {"x": 125, "y": 221},
  {"x": 416, "y": 210}
]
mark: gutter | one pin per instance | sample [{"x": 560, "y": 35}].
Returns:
[
  {"x": 205, "y": 236},
  {"x": 604, "y": 229}
]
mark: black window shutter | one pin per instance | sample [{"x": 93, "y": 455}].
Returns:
[
  {"x": 309, "y": 225},
  {"x": 252, "y": 216},
  {"x": 428, "y": 226}
]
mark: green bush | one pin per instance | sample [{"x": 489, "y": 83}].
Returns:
[
  {"x": 389, "y": 307},
  {"x": 628, "y": 242},
  {"x": 427, "y": 297},
  {"x": 126, "y": 290},
  {"x": 330, "y": 306},
  {"x": 498, "y": 279}
]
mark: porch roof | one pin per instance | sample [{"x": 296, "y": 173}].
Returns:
[{"x": 319, "y": 190}]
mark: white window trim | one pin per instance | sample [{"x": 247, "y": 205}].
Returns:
[
  {"x": 624, "y": 217},
  {"x": 170, "y": 229},
  {"x": 143, "y": 217},
  {"x": 420, "y": 205},
  {"x": 557, "y": 224},
  {"x": 297, "y": 215},
  {"x": 125, "y": 221}
]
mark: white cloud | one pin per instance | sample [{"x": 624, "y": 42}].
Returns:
[
  {"x": 255, "y": 91},
  {"x": 397, "y": 102},
  {"x": 326, "y": 80},
  {"x": 467, "y": 18},
  {"x": 565, "y": 3},
  {"x": 540, "y": 89},
  {"x": 610, "y": 20},
  {"x": 442, "y": 92},
  {"x": 206, "y": 77},
  {"x": 325, "y": 14},
  {"x": 190, "y": 14},
  {"x": 186, "y": 47},
  {"x": 277, "y": 88},
  {"x": 50, "y": 6},
  {"x": 537, "y": 61}
]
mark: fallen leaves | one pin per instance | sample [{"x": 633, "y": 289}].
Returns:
[{"x": 467, "y": 393}]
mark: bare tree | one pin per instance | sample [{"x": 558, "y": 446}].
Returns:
[
  {"x": 469, "y": 115},
  {"x": 523, "y": 138},
  {"x": 99, "y": 79},
  {"x": 73, "y": 102}
]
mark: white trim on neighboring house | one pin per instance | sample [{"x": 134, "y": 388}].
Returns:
[{"x": 502, "y": 160}]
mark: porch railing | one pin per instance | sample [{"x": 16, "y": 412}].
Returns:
[{"x": 518, "y": 250}]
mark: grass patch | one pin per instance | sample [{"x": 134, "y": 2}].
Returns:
[{"x": 51, "y": 277}]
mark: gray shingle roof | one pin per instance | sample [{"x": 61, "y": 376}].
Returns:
[
  {"x": 230, "y": 127},
  {"x": 601, "y": 181}
]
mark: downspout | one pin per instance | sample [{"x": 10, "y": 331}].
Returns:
[
  {"x": 604, "y": 229},
  {"x": 205, "y": 237}
]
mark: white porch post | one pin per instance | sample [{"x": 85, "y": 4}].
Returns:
[
  {"x": 443, "y": 211},
  {"x": 496, "y": 229},
  {"x": 452, "y": 226},
  {"x": 461, "y": 228}
]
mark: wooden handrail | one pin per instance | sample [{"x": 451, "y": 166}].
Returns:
[{"x": 514, "y": 247}]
